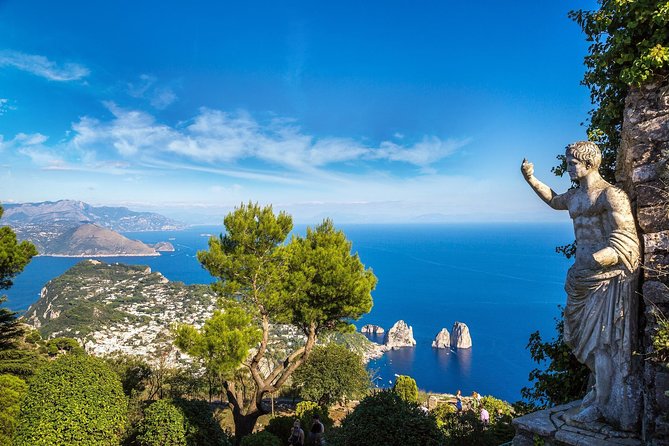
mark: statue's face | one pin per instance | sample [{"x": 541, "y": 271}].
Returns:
[{"x": 576, "y": 168}]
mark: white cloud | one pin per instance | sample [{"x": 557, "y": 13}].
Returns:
[
  {"x": 163, "y": 97},
  {"x": 425, "y": 152},
  {"x": 43, "y": 67},
  {"x": 215, "y": 136}
]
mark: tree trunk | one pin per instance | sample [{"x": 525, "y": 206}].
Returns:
[{"x": 244, "y": 424}]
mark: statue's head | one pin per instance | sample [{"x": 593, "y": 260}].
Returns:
[{"x": 582, "y": 158}]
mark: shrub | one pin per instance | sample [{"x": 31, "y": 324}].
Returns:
[
  {"x": 496, "y": 408},
  {"x": 305, "y": 410},
  {"x": 406, "y": 388},
  {"x": 281, "y": 427},
  {"x": 262, "y": 438},
  {"x": 464, "y": 429},
  {"x": 442, "y": 412},
  {"x": 163, "y": 425},
  {"x": 12, "y": 391},
  {"x": 86, "y": 405},
  {"x": 385, "y": 419},
  {"x": 202, "y": 428}
]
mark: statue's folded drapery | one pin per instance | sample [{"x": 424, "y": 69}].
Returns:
[{"x": 600, "y": 322}]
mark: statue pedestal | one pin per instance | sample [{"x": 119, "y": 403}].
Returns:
[{"x": 549, "y": 425}]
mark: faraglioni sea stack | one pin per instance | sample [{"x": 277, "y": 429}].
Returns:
[
  {"x": 372, "y": 329},
  {"x": 460, "y": 337},
  {"x": 400, "y": 335},
  {"x": 442, "y": 340}
]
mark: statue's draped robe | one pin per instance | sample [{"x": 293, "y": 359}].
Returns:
[{"x": 600, "y": 325}]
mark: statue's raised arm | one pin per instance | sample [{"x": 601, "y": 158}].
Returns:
[{"x": 548, "y": 195}]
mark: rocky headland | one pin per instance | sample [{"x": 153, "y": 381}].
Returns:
[
  {"x": 120, "y": 308},
  {"x": 89, "y": 240}
]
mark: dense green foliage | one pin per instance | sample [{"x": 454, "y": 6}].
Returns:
[
  {"x": 262, "y": 438},
  {"x": 496, "y": 408},
  {"x": 327, "y": 285},
  {"x": 630, "y": 46},
  {"x": 441, "y": 411},
  {"x": 133, "y": 372},
  {"x": 464, "y": 429},
  {"x": 222, "y": 344},
  {"x": 61, "y": 345},
  {"x": 467, "y": 428},
  {"x": 247, "y": 260},
  {"x": 385, "y": 419},
  {"x": 281, "y": 427},
  {"x": 330, "y": 374},
  {"x": 406, "y": 388},
  {"x": 305, "y": 410},
  {"x": 12, "y": 391},
  {"x": 14, "y": 257},
  {"x": 21, "y": 362},
  {"x": 10, "y": 329},
  {"x": 563, "y": 380},
  {"x": 86, "y": 405},
  {"x": 202, "y": 427},
  {"x": 314, "y": 284},
  {"x": 163, "y": 425}
]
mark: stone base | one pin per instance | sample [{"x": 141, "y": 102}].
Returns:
[{"x": 549, "y": 425}]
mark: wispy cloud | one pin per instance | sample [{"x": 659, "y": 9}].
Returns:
[
  {"x": 43, "y": 67},
  {"x": 215, "y": 137},
  {"x": 160, "y": 97}
]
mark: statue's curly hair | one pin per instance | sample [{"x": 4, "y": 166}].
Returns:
[{"x": 585, "y": 151}]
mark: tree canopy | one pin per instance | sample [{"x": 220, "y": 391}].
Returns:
[
  {"x": 331, "y": 373},
  {"x": 406, "y": 388},
  {"x": 14, "y": 257}
]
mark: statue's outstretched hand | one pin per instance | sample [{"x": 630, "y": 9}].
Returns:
[{"x": 527, "y": 168}]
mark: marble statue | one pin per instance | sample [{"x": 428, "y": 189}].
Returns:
[{"x": 600, "y": 317}]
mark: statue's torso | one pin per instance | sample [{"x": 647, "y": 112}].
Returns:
[{"x": 592, "y": 222}]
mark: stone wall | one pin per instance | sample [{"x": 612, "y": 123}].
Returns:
[{"x": 643, "y": 171}]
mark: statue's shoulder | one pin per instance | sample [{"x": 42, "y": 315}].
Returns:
[{"x": 615, "y": 196}]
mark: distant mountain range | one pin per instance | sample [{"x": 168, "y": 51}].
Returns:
[
  {"x": 75, "y": 228},
  {"x": 72, "y": 212}
]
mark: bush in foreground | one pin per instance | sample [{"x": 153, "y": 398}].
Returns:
[
  {"x": 12, "y": 391},
  {"x": 86, "y": 405},
  {"x": 163, "y": 425},
  {"x": 385, "y": 419},
  {"x": 262, "y": 438}
]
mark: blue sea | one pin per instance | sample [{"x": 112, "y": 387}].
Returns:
[{"x": 504, "y": 281}]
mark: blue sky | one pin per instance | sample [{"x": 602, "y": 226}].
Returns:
[{"x": 377, "y": 111}]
